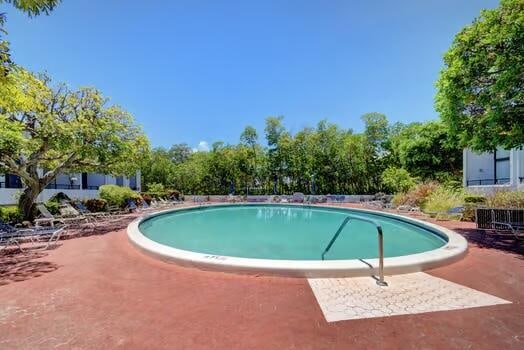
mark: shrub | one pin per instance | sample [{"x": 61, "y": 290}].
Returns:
[
  {"x": 10, "y": 214},
  {"x": 474, "y": 199},
  {"x": 117, "y": 195},
  {"x": 147, "y": 197},
  {"x": 397, "y": 179},
  {"x": 53, "y": 207},
  {"x": 156, "y": 188},
  {"x": 96, "y": 205},
  {"x": 506, "y": 199},
  {"x": 416, "y": 196},
  {"x": 175, "y": 194},
  {"x": 443, "y": 199}
]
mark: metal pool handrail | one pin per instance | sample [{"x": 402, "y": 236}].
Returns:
[{"x": 380, "y": 280}]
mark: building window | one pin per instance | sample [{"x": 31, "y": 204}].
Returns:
[{"x": 502, "y": 166}]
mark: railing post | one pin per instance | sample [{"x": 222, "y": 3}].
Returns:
[{"x": 380, "y": 281}]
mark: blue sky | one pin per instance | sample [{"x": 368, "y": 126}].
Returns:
[{"x": 193, "y": 70}]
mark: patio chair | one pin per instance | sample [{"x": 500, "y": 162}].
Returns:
[
  {"x": 377, "y": 205},
  {"x": 10, "y": 235},
  {"x": 408, "y": 209},
  {"x": 456, "y": 212},
  {"x": 115, "y": 210},
  {"x": 50, "y": 219},
  {"x": 82, "y": 209}
]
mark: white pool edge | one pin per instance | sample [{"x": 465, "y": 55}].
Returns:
[{"x": 454, "y": 250}]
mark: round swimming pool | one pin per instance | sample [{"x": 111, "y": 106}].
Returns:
[{"x": 290, "y": 239}]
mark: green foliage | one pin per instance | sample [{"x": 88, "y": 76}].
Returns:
[
  {"x": 61, "y": 130},
  {"x": 397, "y": 179},
  {"x": 10, "y": 214},
  {"x": 506, "y": 199},
  {"x": 416, "y": 196},
  {"x": 474, "y": 199},
  {"x": 444, "y": 198},
  {"x": 426, "y": 150},
  {"x": 117, "y": 195},
  {"x": 159, "y": 167},
  {"x": 33, "y": 7},
  {"x": 376, "y": 128},
  {"x": 96, "y": 205},
  {"x": 53, "y": 207},
  {"x": 480, "y": 91},
  {"x": 156, "y": 188},
  {"x": 336, "y": 160}
]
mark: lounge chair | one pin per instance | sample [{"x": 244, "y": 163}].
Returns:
[
  {"x": 377, "y": 205},
  {"x": 10, "y": 235},
  {"x": 83, "y": 210},
  {"x": 408, "y": 209},
  {"x": 115, "y": 210},
  {"x": 50, "y": 219},
  {"x": 456, "y": 212}
]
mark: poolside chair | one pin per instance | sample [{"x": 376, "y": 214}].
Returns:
[
  {"x": 10, "y": 235},
  {"x": 376, "y": 205},
  {"x": 456, "y": 212},
  {"x": 82, "y": 209},
  {"x": 115, "y": 210},
  {"x": 50, "y": 219},
  {"x": 408, "y": 209}
]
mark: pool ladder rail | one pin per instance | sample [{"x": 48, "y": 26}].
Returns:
[{"x": 380, "y": 280}]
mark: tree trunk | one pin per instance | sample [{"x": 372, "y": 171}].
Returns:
[{"x": 27, "y": 202}]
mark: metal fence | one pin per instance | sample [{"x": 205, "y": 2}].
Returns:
[{"x": 484, "y": 217}]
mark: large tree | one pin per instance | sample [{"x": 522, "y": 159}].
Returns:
[
  {"x": 48, "y": 129},
  {"x": 425, "y": 150},
  {"x": 481, "y": 89}
]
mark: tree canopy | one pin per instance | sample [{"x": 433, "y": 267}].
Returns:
[
  {"x": 481, "y": 89},
  {"x": 336, "y": 159},
  {"x": 51, "y": 127}
]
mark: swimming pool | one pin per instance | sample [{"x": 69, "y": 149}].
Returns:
[{"x": 290, "y": 239}]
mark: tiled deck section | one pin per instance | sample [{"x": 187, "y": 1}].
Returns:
[
  {"x": 353, "y": 298},
  {"x": 99, "y": 292}
]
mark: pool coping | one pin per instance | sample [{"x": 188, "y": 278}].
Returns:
[{"x": 454, "y": 250}]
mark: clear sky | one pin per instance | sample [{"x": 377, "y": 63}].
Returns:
[{"x": 196, "y": 70}]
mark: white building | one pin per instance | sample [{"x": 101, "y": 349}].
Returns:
[
  {"x": 492, "y": 171},
  {"x": 77, "y": 186}
]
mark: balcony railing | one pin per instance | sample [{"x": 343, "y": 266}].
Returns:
[
  {"x": 63, "y": 187},
  {"x": 11, "y": 185},
  {"x": 485, "y": 182}
]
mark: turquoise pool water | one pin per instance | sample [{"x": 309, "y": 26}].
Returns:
[{"x": 285, "y": 232}]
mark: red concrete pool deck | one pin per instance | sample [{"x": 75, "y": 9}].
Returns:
[{"x": 99, "y": 292}]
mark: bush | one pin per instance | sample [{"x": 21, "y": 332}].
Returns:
[
  {"x": 156, "y": 188},
  {"x": 175, "y": 194},
  {"x": 96, "y": 205},
  {"x": 506, "y": 199},
  {"x": 416, "y": 196},
  {"x": 443, "y": 199},
  {"x": 147, "y": 198},
  {"x": 117, "y": 195},
  {"x": 10, "y": 214},
  {"x": 474, "y": 199},
  {"x": 53, "y": 207},
  {"x": 397, "y": 179}
]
